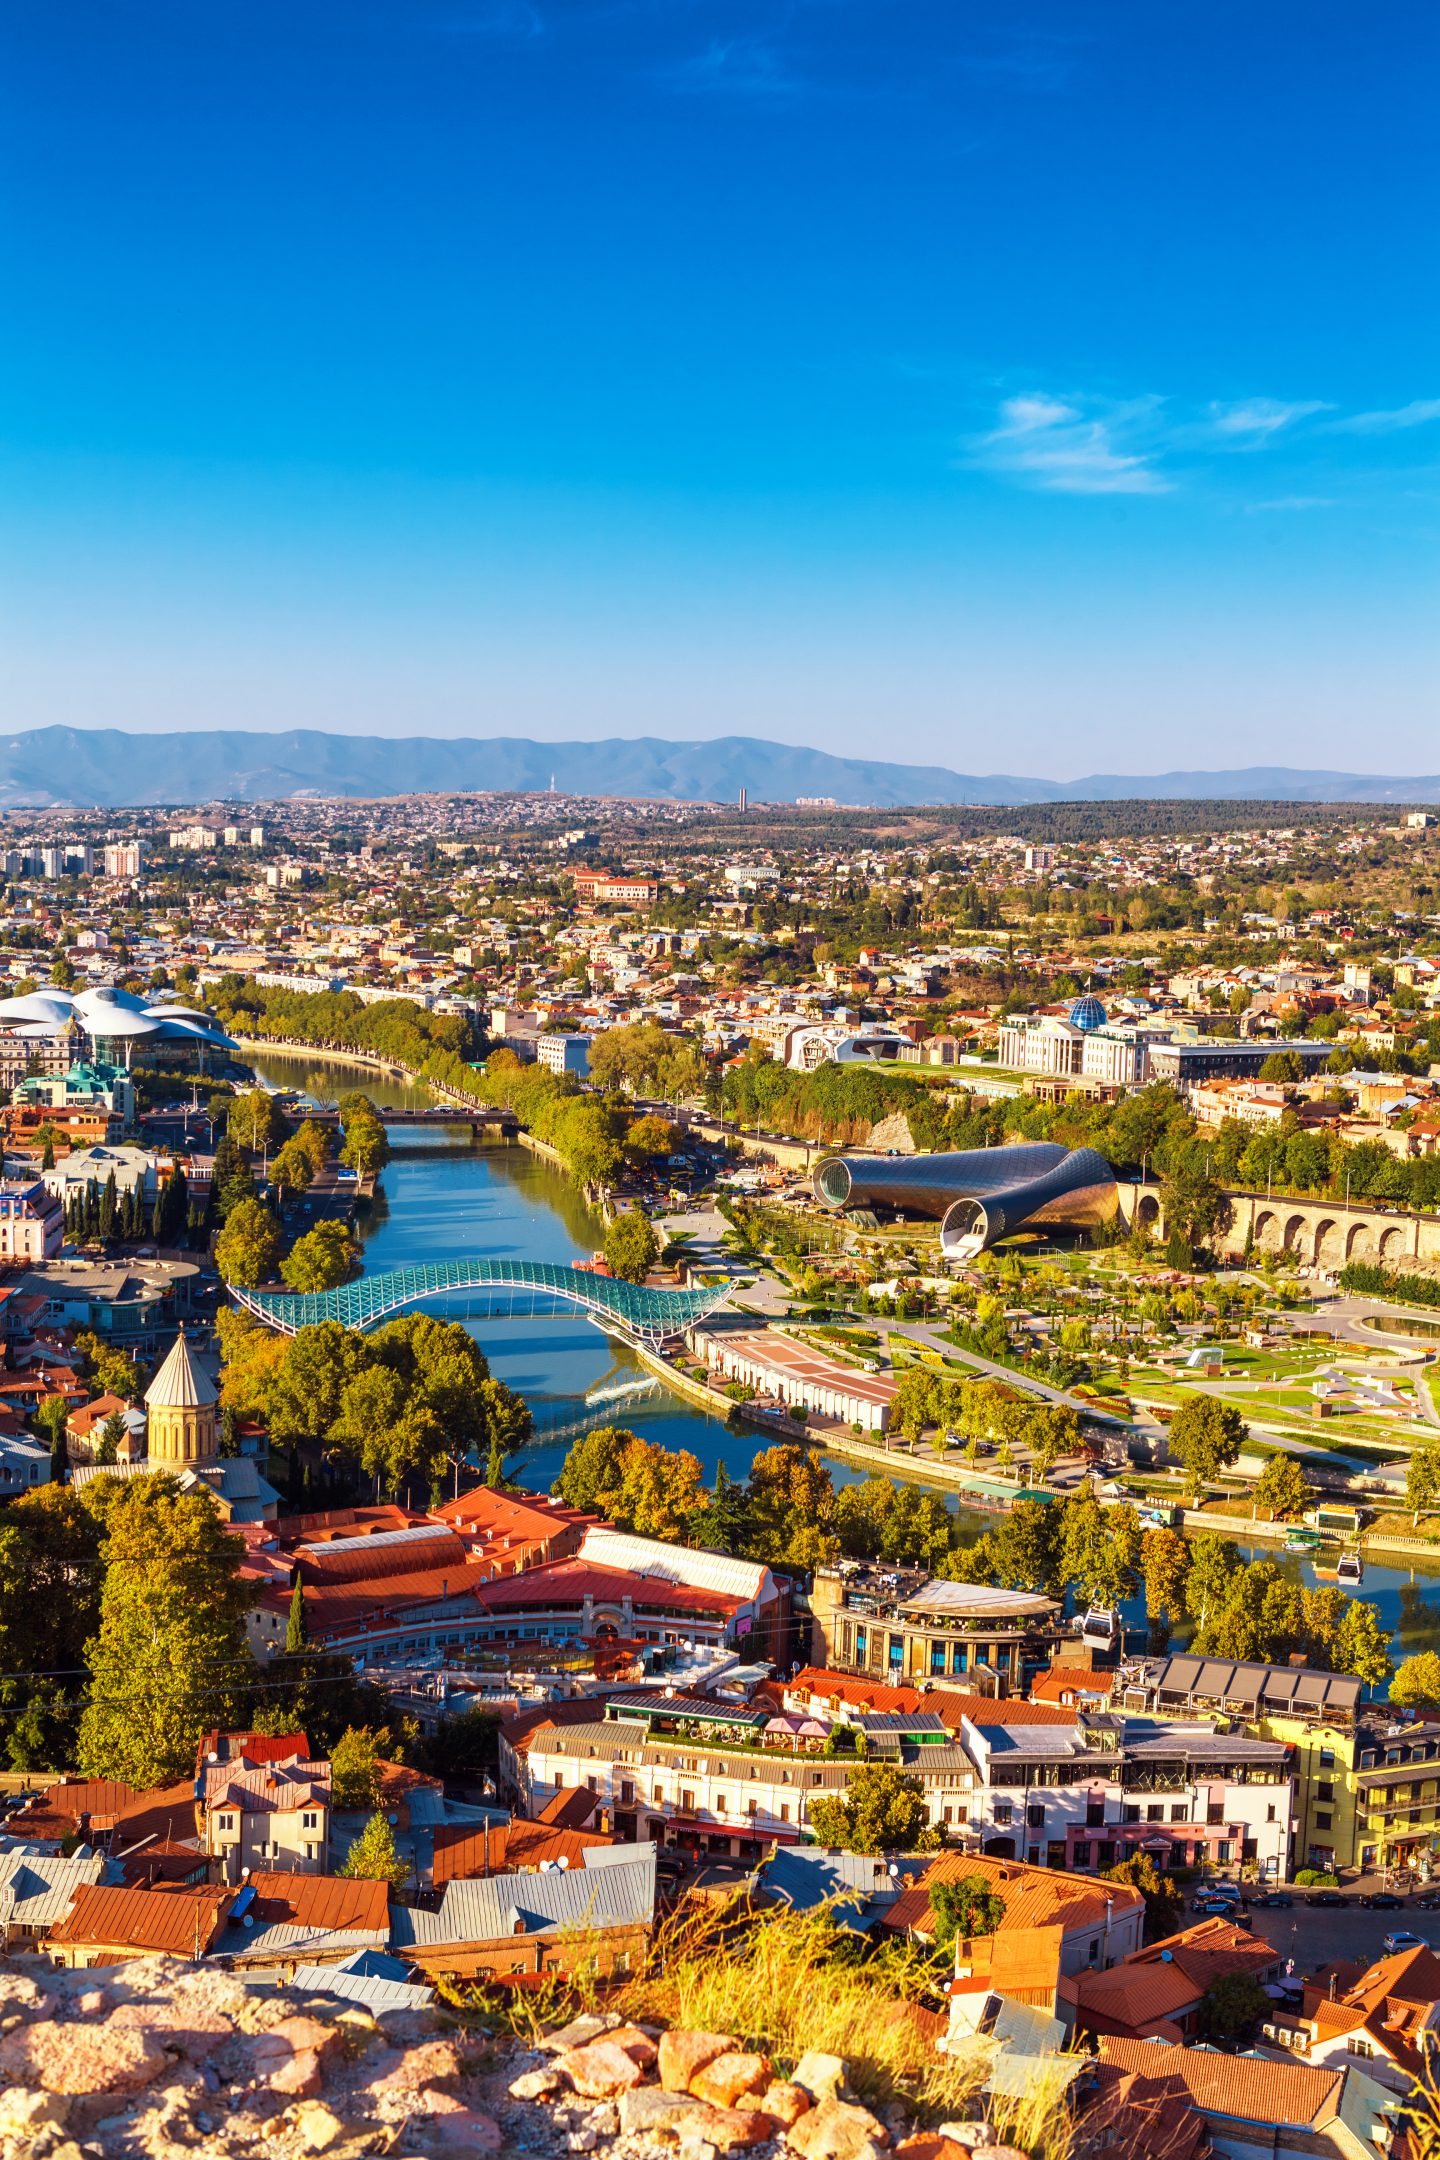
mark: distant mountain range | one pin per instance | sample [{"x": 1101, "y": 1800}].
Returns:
[{"x": 84, "y": 768}]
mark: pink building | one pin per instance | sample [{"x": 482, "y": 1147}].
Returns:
[{"x": 32, "y": 1220}]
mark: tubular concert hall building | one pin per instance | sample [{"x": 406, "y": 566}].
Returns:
[{"x": 980, "y": 1194}]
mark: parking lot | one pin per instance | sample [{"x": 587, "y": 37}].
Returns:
[{"x": 1316, "y": 1936}]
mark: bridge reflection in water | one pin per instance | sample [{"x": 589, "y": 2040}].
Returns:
[{"x": 519, "y": 1286}]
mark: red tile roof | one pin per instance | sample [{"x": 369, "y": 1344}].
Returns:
[
  {"x": 461, "y": 1850},
  {"x": 1247, "y": 2088},
  {"x": 177, "y": 1920},
  {"x": 320, "y": 1901},
  {"x": 565, "y": 1585},
  {"x": 950, "y": 1704}
]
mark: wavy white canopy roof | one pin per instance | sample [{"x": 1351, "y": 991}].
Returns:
[{"x": 110, "y": 1015}]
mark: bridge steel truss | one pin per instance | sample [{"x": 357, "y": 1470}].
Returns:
[{"x": 646, "y": 1315}]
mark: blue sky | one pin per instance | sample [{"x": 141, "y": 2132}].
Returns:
[{"x": 1038, "y": 388}]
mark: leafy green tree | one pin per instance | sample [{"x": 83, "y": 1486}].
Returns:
[
  {"x": 230, "y": 1178},
  {"x": 292, "y": 1168},
  {"x": 725, "y": 1525},
  {"x": 255, "y": 1121},
  {"x": 320, "y": 1260},
  {"x": 172, "y": 1209},
  {"x": 1416, "y": 1685},
  {"x": 968, "y": 1908},
  {"x": 375, "y": 1857},
  {"x": 295, "y": 1624},
  {"x": 791, "y": 1504},
  {"x": 354, "y": 1771},
  {"x": 50, "y": 1422},
  {"x": 1234, "y": 2004},
  {"x": 650, "y": 1136},
  {"x": 247, "y": 1251},
  {"x": 112, "y": 1434},
  {"x": 366, "y": 1145},
  {"x": 1362, "y": 1646},
  {"x": 49, "y": 1608},
  {"x": 1214, "y": 1564},
  {"x": 171, "y": 1646},
  {"x": 1164, "y": 1906},
  {"x": 1282, "y": 1487},
  {"x": 1100, "y": 1550},
  {"x": 631, "y": 1246},
  {"x": 1284, "y": 1066},
  {"x": 315, "y": 1141},
  {"x": 881, "y": 1810},
  {"x": 1206, "y": 1437},
  {"x": 590, "y": 1475},
  {"x": 1422, "y": 1481}
]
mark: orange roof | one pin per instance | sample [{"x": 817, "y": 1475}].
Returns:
[
  {"x": 485, "y": 1511},
  {"x": 102, "y": 1799},
  {"x": 179, "y": 1920},
  {"x": 1136, "y": 1995},
  {"x": 462, "y": 1850},
  {"x": 321, "y": 1901},
  {"x": 166, "y": 1812},
  {"x": 1244, "y": 2087},
  {"x": 816, "y": 1682},
  {"x": 1392, "y": 2000},
  {"x": 1209, "y": 1951},
  {"x": 1035, "y": 1897}
]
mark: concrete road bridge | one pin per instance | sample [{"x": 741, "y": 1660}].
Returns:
[{"x": 1321, "y": 1233}]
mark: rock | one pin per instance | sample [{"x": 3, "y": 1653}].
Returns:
[
  {"x": 427, "y": 2064},
  {"x": 683, "y": 2054},
  {"x": 998, "y": 2152},
  {"x": 461, "y": 2130},
  {"x": 934, "y": 2145},
  {"x": 637, "y": 2044},
  {"x": 194, "y": 2028},
  {"x": 82, "y": 2059},
  {"x": 784, "y": 2103},
  {"x": 651, "y": 2111},
  {"x": 965, "y": 2133},
  {"x": 729, "y": 2129},
  {"x": 600, "y": 2071},
  {"x": 698, "y": 2148},
  {"x": 823, "y": 2076},
  {"x": 579, "y": 2032},
  {"x": 837, "y": 2131},
  {"x": 538, "y": 2085},
  {"x": 725, "y": 2080},
  {"x": 315, "y": 2127},
  {"x": 26, "y": 2114}
]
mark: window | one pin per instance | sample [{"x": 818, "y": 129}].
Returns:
[
  {"x": 1223, "y": 1850},
  {"x": 627, "y": 1792},
  {"x": 1082, "y": 1853},
  {"x": 1357, "y": 2044},
  {"x": 1130, "y": 1812},
  {"x": 1214, "y": 1814},
  {"x": 1003, "y": 1811},
  {"x": 1179, "y": 1812},
  {"x": 1155, "y": 1812},
  {"x": 897, "y": 1652},
  {"x": 1322, "y": 1822},
  {"x": 1035, "y": 1817},
  {"x": 309, "y": 1822},
  {"x": 1325, "y": 1790},
  {"x": 1327, "y": 1758},
  {"x": 687, "y": 1801},
  {"x": 937, "y": 1657},
  {"x": 1094, "y": 1814},
  {"x": 860, "y": 1645},
  {"x": 1270, "y": 1814},
  {"x": 784, "y": 1811}
]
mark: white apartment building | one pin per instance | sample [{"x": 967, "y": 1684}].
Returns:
[
  {"x": 1118, "y": 1056},
  {"x": 266, "y": 1815},
  {"x": 1085, "y": 1796},
  {"x": 123, "y": 859}
]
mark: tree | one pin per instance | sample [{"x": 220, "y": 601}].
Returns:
[
  {"x": 1099, "y": 1550},
  {"x": 1282, "y": 1487},
  {"x": 1165, "y": 1565},
  {"x": 631, "y": 1246},
  {"x": 47, "y": 1137},
  {"x": 50, "y": 1422},
  {"x": 295, "y": 1624},
  {"x": 1362, "y": 1646},
  {"x": 1416, "y": 1685},
  {"x": 1422, "y": 1481},
  {"x": 230, "y": 1178},
  {"x": 639, "y": 1486},
  {"x": 1206, "y": 1436},
  {"x": 255, "y": 1121},
  {"x": 650, "y": 1135},
  {"x": 247, "y": 1251},
  {"x": 966, "y": 1908},
  {"x": 366, "y": 1144},
  {"x": 315, "y": 1141},
  {"x": 882, "y": 1810},
  {"x": 112, "y": 1434},
  {"x": 320, "y": 1260},
  {"x": 292, "y": 1169},
  {"x": 354, "y": 1775},
  {"x": 1235, "y": 2003},
  {"x": 1164, "y": 1906},
  {"x": 1284, "y": 1066},
  {"x": 791, "y": 1501},
  {"x": 171, "y": 1646},
  {"x": 1214, "y": 1564},
  {"x": 375, "y": 1857},
  {"x": 590, "y": 1475}
]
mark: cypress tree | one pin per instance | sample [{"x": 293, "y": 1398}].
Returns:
[
  {"x": 108, "y": 1204},
  {"x": 295, "y": 1625}
]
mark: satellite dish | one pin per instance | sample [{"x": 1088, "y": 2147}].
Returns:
[{"x": 562, "y": 1862}]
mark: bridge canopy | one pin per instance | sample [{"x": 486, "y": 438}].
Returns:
[{"x": 648, "y": 1315}]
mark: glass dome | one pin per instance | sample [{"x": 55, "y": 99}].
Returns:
[{"x": 1087, "y": 1012}]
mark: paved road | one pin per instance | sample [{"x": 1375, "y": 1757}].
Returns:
[{"x": 1317, "y": 1936}]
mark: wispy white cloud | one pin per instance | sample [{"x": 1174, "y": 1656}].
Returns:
[
  {"x": 1418, "y": 413},
  {"x": 736, "y": 67},
  {"x": 1065, "y": 449},
  {"x": 1254, "y": 422},
  {"x": 1291, "y": 502}
]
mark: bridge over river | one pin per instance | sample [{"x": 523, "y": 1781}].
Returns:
[{"x": 633, "y": 1310}]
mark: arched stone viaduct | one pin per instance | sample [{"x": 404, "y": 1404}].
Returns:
[{"x": 1324, "y": 1233}]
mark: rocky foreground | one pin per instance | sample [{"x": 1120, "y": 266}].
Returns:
[{"x": 159, "y": 2058}]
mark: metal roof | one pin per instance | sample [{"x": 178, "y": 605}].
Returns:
[
  {"x": 1283, "y": 1690},
  {"x": 487, "y": 1908},
  {"x": 647, "y": 1703},
  {"x": 367, "y": 1978},
  {"x": 36, "y": 1890},
  {"x": 694, "y": 1569}
]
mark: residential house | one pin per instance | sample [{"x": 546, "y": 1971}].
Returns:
[
  {"x": 257, "y": 1810},
  {"x": 600, "y": 1914},
  {"x": 1156, "y": 1992},
  {"x": 105, "y": 1925},
  {"x": 1254, "y": 2108},
  {"x": 1387, "y": 2020}
]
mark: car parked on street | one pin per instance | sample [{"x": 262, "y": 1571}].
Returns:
[
  {"x": 1402, "y": 1939},
  {"x": 1326, "y": 1897}
]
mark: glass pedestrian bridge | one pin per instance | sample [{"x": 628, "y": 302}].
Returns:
[{"x": 651, "y": 1316}]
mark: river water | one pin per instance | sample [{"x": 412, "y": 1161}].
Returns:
[{"x": 444, "y": 1196}]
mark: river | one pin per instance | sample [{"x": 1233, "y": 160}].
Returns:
[{"x": 444, "y": 1196}]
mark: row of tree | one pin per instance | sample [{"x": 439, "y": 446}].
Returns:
[{"x": 400, "y": 1406}]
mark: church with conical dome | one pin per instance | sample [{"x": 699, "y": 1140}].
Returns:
[
  {"x": 182, "y": 1411},
  {"x": 182, "y": 1406}
]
